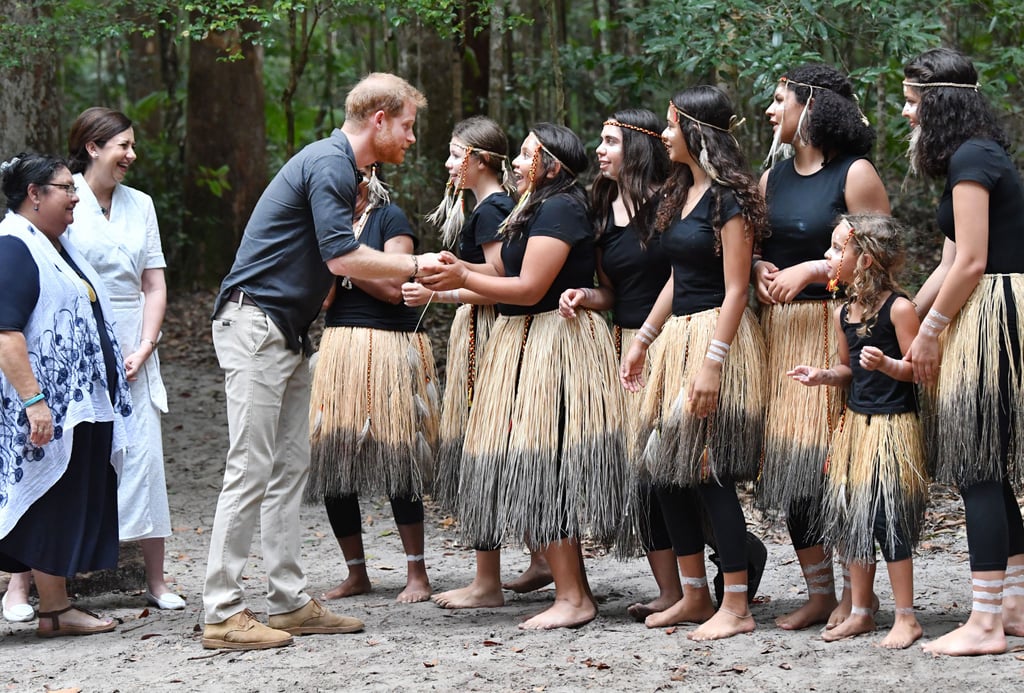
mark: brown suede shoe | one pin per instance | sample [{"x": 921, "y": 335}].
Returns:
[
  {"x": 315, "y": 618},
  {"x": 243, "y": 632}
]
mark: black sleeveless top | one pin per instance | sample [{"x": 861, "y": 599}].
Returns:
[
  {"x": 638, "y": 273},
  {"x": 482, "y": 226},
  {"x": 802, "y": 211},
  {"x": 562, "y": 217},
  {"x": 353, "y": 307},
  {"x": 873, "y": 392}
]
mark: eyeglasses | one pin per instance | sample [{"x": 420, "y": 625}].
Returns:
[{"x": 69, "y": 188}]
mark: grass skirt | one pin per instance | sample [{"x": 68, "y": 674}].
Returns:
[
  {"x": 981, "y": 365},
  {"x": 470, "y": 331},
  {"x": 373, "y": 414},
  {"x": 681, "y": 449},
  {"x": 877, "y": 462},
  {"x": 637, "y": 514},
  {"x": 544, "y": 453},
  {"x": 800, "y": 420}
]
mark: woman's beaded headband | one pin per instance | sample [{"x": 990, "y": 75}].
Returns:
[
  {"x": 618, "y": 124},
  {"x": 733, "y": 121},
  {"x": 955, "y": 85}
]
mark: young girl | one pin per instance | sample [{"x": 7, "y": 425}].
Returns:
[
  {"x": 703, "y": 411},
  {"x": 544, "y": 456},
  {"x": 477, "y": 162},
  {"x": 975, "y": 300},
  {"x": 373, "y": 408},
  {"x": 876, "y": 487}
]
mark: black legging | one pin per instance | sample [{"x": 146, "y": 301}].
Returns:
[
  {"x": 682, "y": 509},
  {"x": 803, "y": 519},
  {"x": 653, "y": 531},
  {"x": 995, "y": 530},
  {"x": 346, "y": 520}
]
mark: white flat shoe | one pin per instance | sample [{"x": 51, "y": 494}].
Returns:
[
  {"x": 168, "y": 600},
  {"x": 19, "y": 613}
]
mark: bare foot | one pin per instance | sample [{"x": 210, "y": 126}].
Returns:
[
  {"x": 724, "y": 624},
  {"x": 904, "y": 633},
  {"x": 696, "y": 609},
  {"x": 842, "y": 611},
  {"x": 816, "y": 610},
  {"x": 535, "y": 577},
  {"x": 562, "y": 614},
  {"x": 470, "y": 597},
  {"x": 850, "y": 627},
  {"x": 417, "y": 589},
  {"x": 968, "y": 639},
  {"x": 640, "y": 611},
  {"x": 354, "y": 584}
]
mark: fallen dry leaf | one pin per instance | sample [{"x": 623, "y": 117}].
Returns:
[
  {"x": 786, "y": 665},
  {"x": 517, "y": 650},
  {"x": 432, "y": 663},
  {"x": 147, "y": 636},
  {"x": 491, "y": 643},
  {"x": 679, "y": 674},
  {"x": 670, "y": 631}
]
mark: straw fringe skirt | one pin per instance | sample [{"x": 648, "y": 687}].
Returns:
[
  {"x": 981, "y": 365},
  {"x": 800, "y": 420},
  {"x": 544, "y": 453},
  {"x": 470, "y": 331},
  {"x": 373, "y": 414},
  {"x": 877, "y": 462},
  {"x": 636, "y": 515},
  {"x": 684, "y": 450}
]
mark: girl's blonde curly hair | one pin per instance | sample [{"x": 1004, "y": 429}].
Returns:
[{"x": 881, "y": 237}]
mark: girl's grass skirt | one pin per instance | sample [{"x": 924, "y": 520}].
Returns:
[
  {"x": 976, "y": 432},
  {"x": 681, "y": 449},
  {"x": 544, "y": 452},
  {"x": 876, "y": 463},
  {"x": 373, "y": 414},
  {"x": 800, "y": 420},
  {"x": 469, "y": 334}
]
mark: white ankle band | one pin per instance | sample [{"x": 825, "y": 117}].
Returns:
[
  {"x": 987, "y": 596},
  {"x": 695, "y": 582},
  {"x": 860, "y": 611},
  {"x": 904, "y": 611},
  {"x": 413, "y": 558},
  {"x": 819, "y": 567},
  {"x": 987, "y": 608},
  {"x": 735, "y": 588},
  {"x": 986, "y": 583},
  {"x": 355, "y": 561},
  {"x": 813, "y": 589}
]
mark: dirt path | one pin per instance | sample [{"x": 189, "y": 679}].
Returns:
[{"x": 422, "y": 647}]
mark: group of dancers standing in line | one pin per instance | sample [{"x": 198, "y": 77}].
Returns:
[{"x": 840, "y": 396}]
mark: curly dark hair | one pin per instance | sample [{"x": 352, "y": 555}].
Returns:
[
  {"x": 645, "y": 167},
  {"x": 949, "y": 116},
  {"x": 836, "y": 124},
  {"x": 564, "y": 144},
  {"x": 711, "y": 105}
]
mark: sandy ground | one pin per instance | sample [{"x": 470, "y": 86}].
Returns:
[{"x": 422, "y": 647}]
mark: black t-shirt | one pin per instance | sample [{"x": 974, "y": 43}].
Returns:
[
  {"x": 986, "y": 163},
  {"x": 638, "y": 273},
  {"x": 873, "y": 392},
  {"x": 354, "y": 307},
  {"x": 561, "y": 217},
  {"x": 482, "y": 226},
  {"x": 802, "y": 211},
  {"x": 19, "y": 284},
  {"x": 698, "y": 272}
]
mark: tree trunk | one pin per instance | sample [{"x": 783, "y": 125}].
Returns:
[
  {"x": 225, "y": 130},
  {"x": 497, "y": 77},
  {"x": 29, "y": 105}
]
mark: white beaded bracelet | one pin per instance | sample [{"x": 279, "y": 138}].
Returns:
[{"x": 718, "y": 350}]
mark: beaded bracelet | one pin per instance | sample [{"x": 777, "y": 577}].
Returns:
[
  {"x": 415, "y": 268},
  {"x": 26, "y": 403}
]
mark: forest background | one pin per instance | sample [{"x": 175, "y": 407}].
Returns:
[{"x": 224, "y": 91}]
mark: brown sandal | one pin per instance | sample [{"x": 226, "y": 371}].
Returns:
[{"x": 58, "y": 631}]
